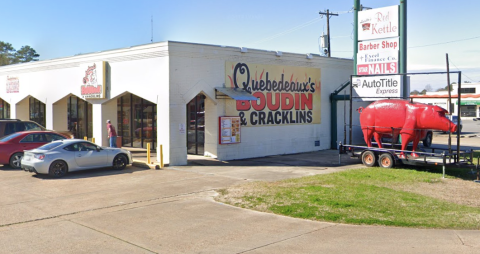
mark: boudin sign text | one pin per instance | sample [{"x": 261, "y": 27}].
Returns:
[{"x": 285, "y": 94}]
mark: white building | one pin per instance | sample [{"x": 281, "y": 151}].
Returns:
[
  {"x": 175, "y": 94},
  {"x": 469, "y": 100}
]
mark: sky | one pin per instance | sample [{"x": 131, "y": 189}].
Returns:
[{"x": 59, "y": 28}]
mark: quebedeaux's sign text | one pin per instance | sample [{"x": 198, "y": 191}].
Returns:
[{"x": 285, "y": 94}]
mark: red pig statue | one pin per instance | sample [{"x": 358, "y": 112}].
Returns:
[{"x": 401, "y": 117}]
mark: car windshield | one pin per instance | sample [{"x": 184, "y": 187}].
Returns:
[
  {"x": 8, "y": 137},
  {"x": 49, "y": 146}
]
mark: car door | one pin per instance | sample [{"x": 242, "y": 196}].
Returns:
[{"x": 88, "y": 156}]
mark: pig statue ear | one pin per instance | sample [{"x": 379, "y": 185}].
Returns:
[{"x": 440, "y": 109}]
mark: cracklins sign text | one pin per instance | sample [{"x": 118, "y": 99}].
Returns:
[{"x": 285, "y": 94}]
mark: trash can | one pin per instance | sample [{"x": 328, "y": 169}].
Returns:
[{"x": 119, "y": 141}]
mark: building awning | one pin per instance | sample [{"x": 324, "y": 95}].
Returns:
[{"x": 237, "y": 94}]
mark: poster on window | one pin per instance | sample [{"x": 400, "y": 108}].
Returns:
[{"x": 229, "y": 130}]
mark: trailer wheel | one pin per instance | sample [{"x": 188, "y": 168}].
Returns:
[
  {"x": 369, "y": 159},
  {"x": 386, "y": 161}
]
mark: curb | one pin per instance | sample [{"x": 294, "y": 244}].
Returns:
[{"x": 142, "y": 164}]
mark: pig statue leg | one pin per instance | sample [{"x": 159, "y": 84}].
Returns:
[
  {"x": 378, "y": 138},
  {"x": 406, "y": 138},
  {"x": 416, "y": 139},
  {"x": 367, "y": 135}
]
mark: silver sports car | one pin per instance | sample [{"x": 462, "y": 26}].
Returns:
[{"x": 62, "y": 156}]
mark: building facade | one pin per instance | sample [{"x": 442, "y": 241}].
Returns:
[
  {"x": 469, "y": 100},
  {"x": 223, "y": 102}
]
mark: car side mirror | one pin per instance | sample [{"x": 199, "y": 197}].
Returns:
[{"x": 98, "y": 149}]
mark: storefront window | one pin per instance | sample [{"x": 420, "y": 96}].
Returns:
[
  {"x": 37, "y": 111},
  {"x": 469, "y": 110},
  {"x": 79, "y": 117},
  {"x": 137, "y": 121},
  {"x": 4, "y": 109}
]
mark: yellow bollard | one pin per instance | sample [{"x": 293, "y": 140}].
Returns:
[
  {"x": 148, "y": 153},
  {"x": 161, "y": 156},
  {"x": 85, "y": 138},
  {"x": 93, "y": 140}
]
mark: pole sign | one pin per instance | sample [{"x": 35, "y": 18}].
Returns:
[
  {"x": 375, "y": 45},
  {"x": 377, "y": 62},
  {"x": 378, "y": 53},
  {"x": 377, "y": 87},
  {"x": 378, "y": 23}
]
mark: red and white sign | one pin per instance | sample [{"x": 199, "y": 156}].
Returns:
[
  {"x": 378, "y": 23},
  {"x": 93, "y": 80},
  {"x": 13, "y": 85},
  {"x": 376, "y": 45},
  {"x": 377, "y": 68}
]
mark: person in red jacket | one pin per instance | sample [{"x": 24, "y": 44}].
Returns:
[{"x": 112, "y": 134}]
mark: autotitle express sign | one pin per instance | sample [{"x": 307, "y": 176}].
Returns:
[
  {"x": 285, "y": 94},
  {"x": 377, "y": 87}
]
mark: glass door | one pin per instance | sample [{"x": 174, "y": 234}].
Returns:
[{"x": 196, "y": 125}]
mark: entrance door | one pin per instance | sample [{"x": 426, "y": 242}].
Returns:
[{"x": 196, "y": 125}]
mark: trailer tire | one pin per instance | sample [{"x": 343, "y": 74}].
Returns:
[
  {"x": 386, "y": 161},
  {"x": 369, "y": 158}
]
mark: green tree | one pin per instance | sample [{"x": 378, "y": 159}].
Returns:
[
  {"x": 7, "y": 53},
  {"x": 26, "y": 54}
]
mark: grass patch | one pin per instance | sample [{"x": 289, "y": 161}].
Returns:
[{"x": 373, "y": 196}]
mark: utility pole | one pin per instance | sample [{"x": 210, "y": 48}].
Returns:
[{"x": 328, "y": 27}]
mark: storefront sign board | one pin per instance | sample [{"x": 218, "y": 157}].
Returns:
[
  {"x": 285, "y": 94},
  {"x": 374, "y": 88},
  {"x": 13, "y": 85},
  {"x": 378, "y": 23},
  {"x": 93, "y": 80}
]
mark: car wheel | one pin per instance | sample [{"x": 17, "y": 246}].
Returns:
[
  {"x": 369, "y": 159},
  {"x": 58, "y": 169},
  {"x": 120, "y": 162},
  {"x": 427, "y": 142},
  {"x": 16, "y": 160},
  {"x": 386, "y": 161}
]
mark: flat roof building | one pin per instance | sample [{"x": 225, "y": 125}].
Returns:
[{"x": 223, "y": 102}]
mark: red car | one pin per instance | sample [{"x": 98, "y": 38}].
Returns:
[{"x": 13, "y": 145}]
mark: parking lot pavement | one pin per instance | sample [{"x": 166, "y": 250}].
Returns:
[{"x": 140, "y": 210}]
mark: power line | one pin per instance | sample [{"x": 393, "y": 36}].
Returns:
[
  {"x": 463, "y": 74},
  {"x": 271, "y": 37},
  {"x": 293, "y": 29},
  {"x": 440, "y": 43}
]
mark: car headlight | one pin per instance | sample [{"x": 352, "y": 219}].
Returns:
[{"x": 39, "y": 156}]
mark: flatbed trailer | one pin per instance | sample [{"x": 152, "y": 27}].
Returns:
[{"x": 391, "y": 157}]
